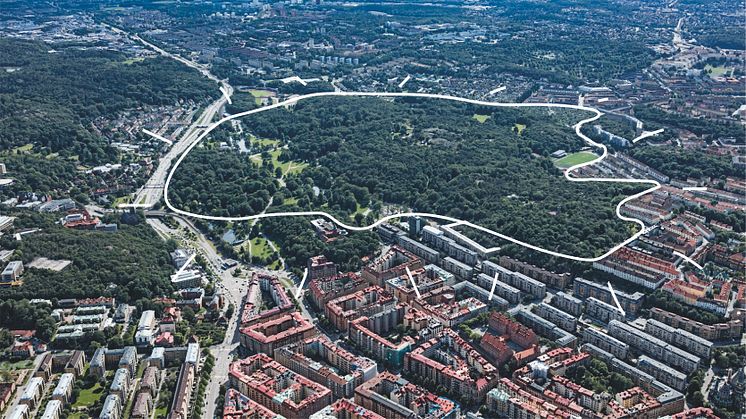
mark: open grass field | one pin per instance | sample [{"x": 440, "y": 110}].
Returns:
[
  {"x": 719, "y": 71},
  {"x": 574, "y": 158},
  {"x": 260, "y": 247},
  {"x": 89, "y": 396},
  {"x": 481, "y": 118},
  {"x": 263, "y": 141},
  {"x": 519, "y": 128},
  {"x": 19, "y": 365},
  {"x": 287, "y": 167}
]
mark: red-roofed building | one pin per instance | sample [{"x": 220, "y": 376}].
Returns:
[
  {"x": 265, "y": 337},
  {"x": 278, "y": 388},
  {"x": 450, "y": 361}
]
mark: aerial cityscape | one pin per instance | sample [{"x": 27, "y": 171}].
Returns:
[{"x": 323, "y": 209}]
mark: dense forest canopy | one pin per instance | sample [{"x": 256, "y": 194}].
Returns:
[
  {"x": 50, "y": 97},
  {"x": 429, "y": 156},
  {"x": 130, "y": 264}
]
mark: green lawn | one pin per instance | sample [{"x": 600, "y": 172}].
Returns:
[
  {"x": 275, "y": 266},
  {"x": 260, "y": 247},
  {"x": 19, "y": 365},
  {"x": 161, "y": 412},
  {"x": 24, "y": 148},
  {"x": 260, "y": 94},
  {"x": 519, "y": 128},
  {"x": 121, "y": 200},
  {"x": 133, "y": 60},
  {"x": 290, "y": 201},
  {"x": 719, "y": 70},
  {"x": 287, "y": 167},
  {"x": 89, "y": 396},
  {"x": 358, "y": 210},
  {"x": 481, "y": 118},
  {"x": 575, "y": 158},
  {"x": 263, "y": 141}
]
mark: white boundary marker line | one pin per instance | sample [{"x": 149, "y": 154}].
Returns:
[
  {"x": 403, "y": 82},
  {"x": 411, "y": 280},
  {"x": 647, "y": 134},
  {"x": 158, "y": 137},
  {"x": 494, "y": 284},
  {"x": 134, "y": 206},
  {"x": 302, "y": 281},
  {"x": 695, "y": 188},
  {"x": 688, "y": 259},
  {"x": 613, "y": 295},
  {"x": 498, "y": 89},
  {"x": 187, "y": 263},
  {"x": 228, "y": 98},
  {"x": 654, "y": 185}
]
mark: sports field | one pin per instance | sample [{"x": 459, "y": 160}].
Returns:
[{"x": 574, "y": 158}]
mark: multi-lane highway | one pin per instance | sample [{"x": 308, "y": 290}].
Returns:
[{"x": 150, "y": 193}]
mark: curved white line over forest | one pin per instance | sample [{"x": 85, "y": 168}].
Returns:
[{"x": 654, "y": 184}]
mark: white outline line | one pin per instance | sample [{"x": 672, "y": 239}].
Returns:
[
  {"x": 647, "y": 134},
  {"x": 498, "y": 89},
  {"x": 688, "y": 259},
  {"x": 225, "y": 94},
  {"x": 613, "y": 295},
  {"x": 654, "y": 184},
  {"x": 494, "y": 284},
  {"x": 156, "y": 136},
  {"x": 302, "y": 281},
  {"x": 134, "y": 206},
  {"x": 406, "y": 79},
  {"x": 187, "y": 263},
  {"x": 411, "y": 279}
]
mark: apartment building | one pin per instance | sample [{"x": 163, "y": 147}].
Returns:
[
  {"x": 508, "y": 292},
  {"x": 366, "y": 302},
  {"x": 429, "y": 254},
  {"x": 344, "y": 409},
  {"x": 324, "y": 362},
  {"x": 278, "y": 388},
  {"x": 552, "y": 279},
  {"x": 662, "y": 372},
  {"x": 64, "y": 388},
  {"x": 435, "y": 360},
  {"x": 240, "y": 406},
  {"x": 560, "y": 318},
  {"x": 605, "y": 342},
  {"x": 567, "y": 303},
  {"x": 441, "y": 303},
  {"x": 265, "y": 337},
  {"x": 112, "y": 408},
  {"x": 654, "y": 347},
  {"x": 320, "y": 267},
  {"x": 631, "y": 303},
  {"x": 638, "y": 267},
  {"x": 602, "y": 311},
  {"x": 393, "y": 397},
  {"x": 460, "y": 269},
  {"x": 516, "y": 279},
  {"x": 449, "y": 246},
  {"x": 391, "y": 264},
  {"x": 546, "y": 328},
  {"x": 323, "y": 290},
  {"x": 731, "y": 329},
  {"x": 681, "y": 338}
]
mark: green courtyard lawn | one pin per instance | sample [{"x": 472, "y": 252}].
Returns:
[
  {"x": 91, "y": 395},
  {"x": 575, "y": 158}
]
